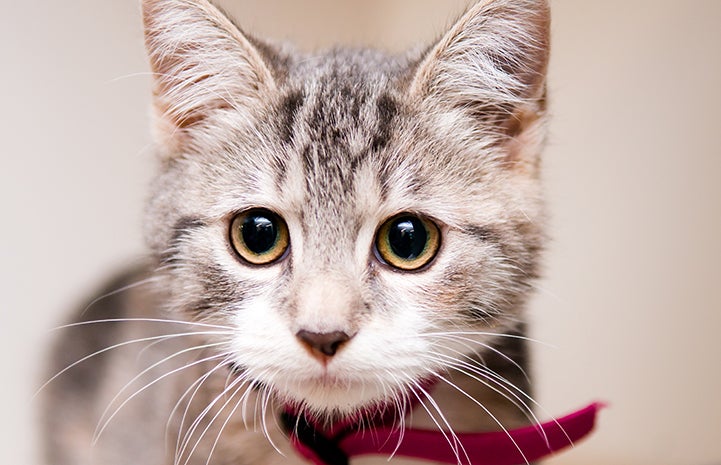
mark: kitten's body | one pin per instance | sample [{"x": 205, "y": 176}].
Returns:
[{"x": 335, "y": 144}]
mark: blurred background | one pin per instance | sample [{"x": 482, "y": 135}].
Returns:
[{"x": 631, "y": 302}]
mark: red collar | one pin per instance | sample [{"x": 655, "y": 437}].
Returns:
[{"x": 334, "y": 446}]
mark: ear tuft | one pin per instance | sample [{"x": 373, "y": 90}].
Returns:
[
  {"x": 202, "y": 65},
  {"x": 491, "y": 63}
]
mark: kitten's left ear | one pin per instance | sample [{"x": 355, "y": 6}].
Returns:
[
  {"x": 202, "y": 66},
  {"x": 491, "y": 65}
]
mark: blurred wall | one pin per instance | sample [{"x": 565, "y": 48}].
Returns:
[{"x": 632, "y": 300}]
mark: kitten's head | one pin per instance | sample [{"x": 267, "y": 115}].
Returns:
[{"x": 356, "y": 218}]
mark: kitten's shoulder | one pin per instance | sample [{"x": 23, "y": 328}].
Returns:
[
  {"x": 80, "y": 360},
  {"x": 97, "y": 324}
]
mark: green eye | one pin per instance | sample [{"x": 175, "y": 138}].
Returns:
[
  {"x": 259, "y": 236},
  {"x": 408, "y": 242}
]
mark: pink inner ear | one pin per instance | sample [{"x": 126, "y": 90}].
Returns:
[{"x": 525, "y": 139}]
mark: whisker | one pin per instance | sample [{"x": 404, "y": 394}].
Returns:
[
  {"x": 196, "y": 384},
  {"x": 143, "y": 320},
  {"x": 239, "y": 382},
  {"x": 139, "y": 283},
  {"x": 500, "y": 380},
  {"x": 400, "y": 402},
  {"x": 122, "y": 344},
  {"x": 509, "y": 395},
  {"x": 473, "y": 364},
  {"x": 454, "y": 444},
  {"x": 128, "y": 76},
  {"x": 212, "y": 420},
  {"x": 485, "y": 333},
  {"x": 225, "y": 423},
  {"x": 255, "y": 385},
  {"x": 264, "y": 420},
  {"x": 492, "y": 349},
  {"x": 488, "y": 412},
  {"x": 99, "y": 432}
]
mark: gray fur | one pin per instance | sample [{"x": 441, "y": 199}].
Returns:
[{"x": 335, "y": 143}]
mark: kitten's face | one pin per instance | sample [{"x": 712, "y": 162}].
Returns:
[{"x": 357, "y": 220}]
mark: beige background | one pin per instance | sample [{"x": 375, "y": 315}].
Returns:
[{"x": 632, "y": 299}]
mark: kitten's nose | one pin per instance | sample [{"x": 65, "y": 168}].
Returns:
[{"x": 322, "y": 345}]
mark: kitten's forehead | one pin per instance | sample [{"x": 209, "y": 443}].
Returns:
[{"x": 337, "y": 121}]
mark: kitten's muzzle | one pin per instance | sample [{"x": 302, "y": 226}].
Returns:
[{"x": 322, "y": 346}]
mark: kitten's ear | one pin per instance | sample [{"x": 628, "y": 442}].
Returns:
[
  {"x": 491, "y": 64},
  {"x": 202, "y": 64}
]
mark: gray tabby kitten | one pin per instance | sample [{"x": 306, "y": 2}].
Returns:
[{"x": 327, "y": 230}]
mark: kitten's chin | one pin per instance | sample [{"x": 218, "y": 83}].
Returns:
[{"x": 334, "y": 398}]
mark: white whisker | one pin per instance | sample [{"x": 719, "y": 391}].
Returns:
[
  {"x": 509, "y": 395},
  {"x": 239, "y": 382},
  {"x": 449, "y": 434},
  {"x": 215, "y": 417},
  {"x": 143, "y": 320},
  {"x": 488, "y": 412},
  {"x": 99, "y": 431},
  {"x": 197, "y": 385},
  {"x": 264, "y": 421},
  {"x": 122, "y": 344},
  {"x": 490, "y": 348},
  {"x": 485, "y": 333},
  {"x": 400, "y": 402},
  {"x": 139, "y": 283},
  {"x": 225, "y": 423}
]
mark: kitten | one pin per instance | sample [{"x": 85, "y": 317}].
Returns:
[{"x": 335, "y": 234}]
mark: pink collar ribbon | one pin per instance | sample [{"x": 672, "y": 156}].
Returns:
[{"x": 335, "y": 445}]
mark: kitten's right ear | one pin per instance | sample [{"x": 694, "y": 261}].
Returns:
[{"x": 203, "y": 66}]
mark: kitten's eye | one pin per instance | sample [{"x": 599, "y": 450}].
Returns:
[
  {"x": 407, "y": 242},
  {"x": 259, "y": 236}
]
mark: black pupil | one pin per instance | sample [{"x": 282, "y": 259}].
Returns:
[
  {"x": 259, "y": 233},
  {"x": 407, "y": 237}
]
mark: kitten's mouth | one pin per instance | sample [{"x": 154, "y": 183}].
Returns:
[
  {"x": 326, "y": 394},
  {"x": 329, "y": 393},
  {"x": 384, "y": 411},
  {"x": 339, "y": 401},
  {"x": 329, "y": 380}
]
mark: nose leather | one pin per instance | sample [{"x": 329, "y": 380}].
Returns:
[{"x": 326, "y": 344}]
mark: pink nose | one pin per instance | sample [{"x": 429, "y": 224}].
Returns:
[{"x": 322, "y": 345}]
